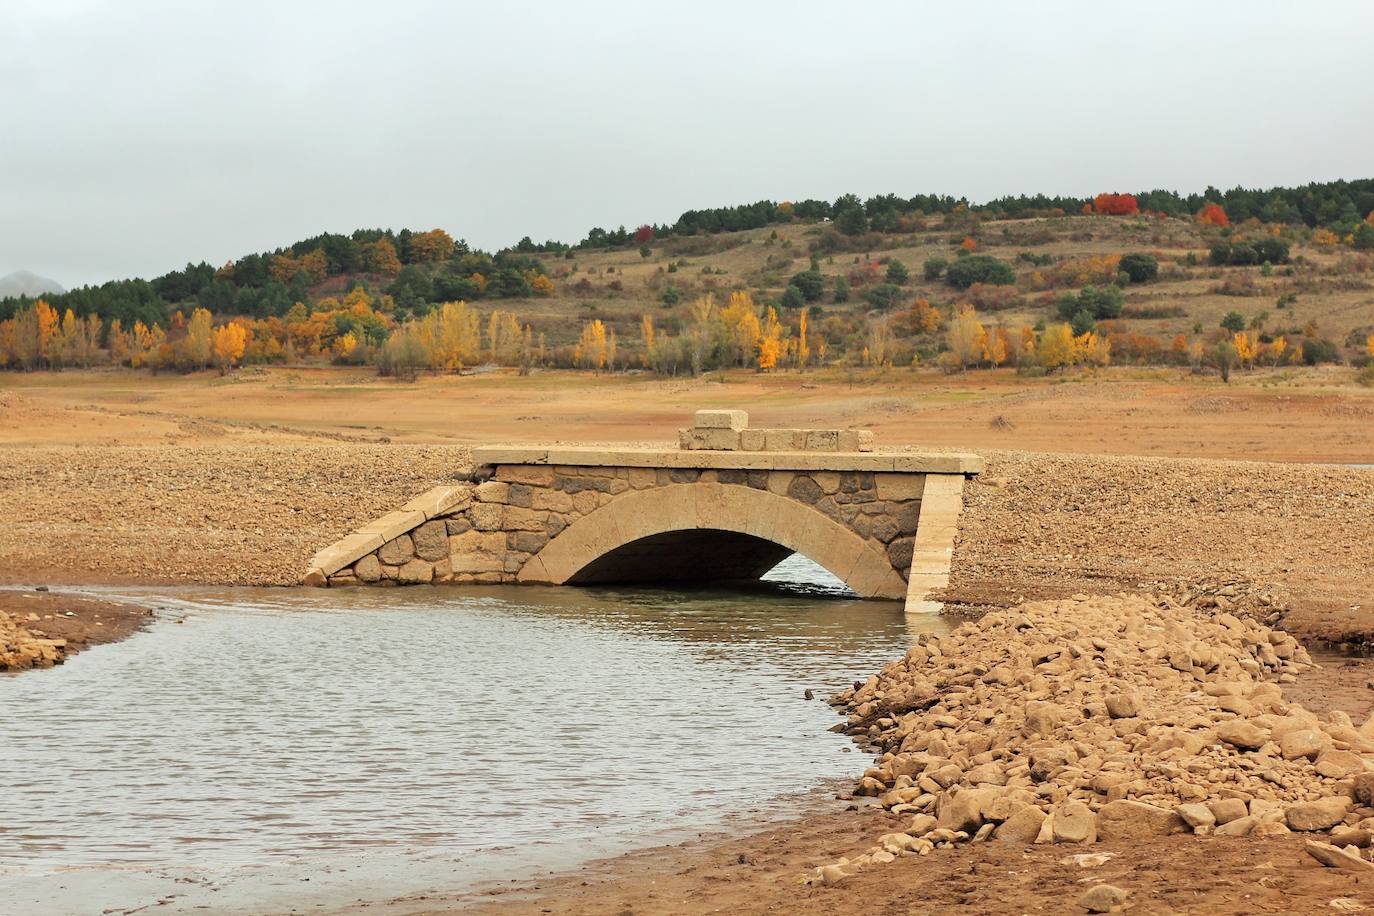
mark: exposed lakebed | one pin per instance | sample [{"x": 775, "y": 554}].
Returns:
[{"x": 389, "y": 741}]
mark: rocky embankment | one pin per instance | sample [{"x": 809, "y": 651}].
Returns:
[
  {"x": 1106, "y": 718},
  {"x": 20, "y": 649}
]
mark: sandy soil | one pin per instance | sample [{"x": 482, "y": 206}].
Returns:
[{"x": 114, "y": 477}]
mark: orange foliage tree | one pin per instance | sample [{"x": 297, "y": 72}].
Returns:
[
  {"x": 432, "y": 246},
  {"x": 1116, "y": 204},
  {"x": 1213, "y": 215}
]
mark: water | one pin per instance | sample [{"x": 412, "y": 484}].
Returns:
[{"x": 389, "y": 741}]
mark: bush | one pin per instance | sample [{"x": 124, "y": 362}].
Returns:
[
  {"x": 1235, "y": 254},
  {"x": 979, "y": 268},
  {"x": 933, "y": 268},
  {"x": 884, "y": 295},
  {"x": 811, "y": 283},
  {"x": 1141, "y": 268},
  {"x": 1103, "y": 303},
  {"x": 1233, "y": 321},
  {"x": 793, "y": 298},
  {"x": 645, "y": 251},
  {"x": 1319, "y": 351},
  {"x": 671, "y": 295},
  {"x": 841, "y": 289},
  {"x": 897, "y": 272}
]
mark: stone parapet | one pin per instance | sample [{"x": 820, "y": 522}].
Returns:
[
  {"x": 638, "y": 457},
  {"x": 728, "y": 431}
]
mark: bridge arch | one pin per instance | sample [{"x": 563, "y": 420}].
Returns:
[{"x": 705, "y": 531}]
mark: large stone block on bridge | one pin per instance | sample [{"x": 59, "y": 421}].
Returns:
[
  {"x": 723, "y": 440},
  {"x": 721, "y": 419}
]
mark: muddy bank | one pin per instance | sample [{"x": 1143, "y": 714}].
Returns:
[{"x": 39, "y": 629}]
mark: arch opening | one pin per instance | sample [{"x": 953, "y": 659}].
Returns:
[{"x": 693, "y": 555}]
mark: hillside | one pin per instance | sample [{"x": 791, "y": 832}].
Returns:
[
  {"x": 27, "y": 283},
  {"x": 1027, "y": 283}
]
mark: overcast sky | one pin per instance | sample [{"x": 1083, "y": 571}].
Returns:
[{"x": 137, "y": 135}]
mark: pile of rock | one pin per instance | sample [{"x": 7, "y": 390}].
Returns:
[
  {"x": 1100, "y": 719},
  {"x": 20, "y": 649}
]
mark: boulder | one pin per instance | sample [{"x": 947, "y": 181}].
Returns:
[
  {"x": 1104, "y": 898},
  {"x": 1242, "y": 734},
  {"x": 1336, "y": 857},
  {"x": 1322, "y": 814},
  {"x": 1125, "y": 705},
  {"x": 1022, "y": 827},
  {"x": 1131, "y": 820},
  {"x": 1301, "y": 742},
  {"x": 1075, "y": 823},
  {"x": 1196, "y": 815},
  {"x": 1228, "y": 809}
]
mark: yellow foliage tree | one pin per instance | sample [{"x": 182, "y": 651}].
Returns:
[
  {"x": 965, "y": 336},
  {"x": 1279, "y": 345},
  {"x": 803, "y": 345},
  {"x": 229, "y": 343},
  {"x": 1245, "y": 349},
  {"x": 1092, "y": 348},
  {"x": 1056, "y": 348},
  {"x": 770, "y": 345},
  {"x": 503, "y": 338},
  {"x": 542, "y": 285},
  {"x": 198, "y": 345},
  {"x": 592, "y": 348},
  {"x": 452, "y": 336},
  {"x": 995, "y": 346},
  {"x": 344, "y": 345}
]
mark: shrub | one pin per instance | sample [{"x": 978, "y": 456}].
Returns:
[
  {"x": 933, "y": 268},
  {"x": 897, "y": 272},
  {"x": 841, "y": 289},
  {"x": 793, "y": 297},
  {"x": 1141, "y": 268},
  {"x": 979, "y": 268},
  {"x": 671, "y": 295},
  {"x": 1101, "y": 302},
  {"x": 1234, "y": 254},
  {"x": 811, "y": 284},
  {"x": 645, "y": 251},
  {"x": 1233, "y": 321},
  {"x": 1316, "y": 351},
  {"x": 986, "y": 297},
  {"x": 884, "y": 295}
]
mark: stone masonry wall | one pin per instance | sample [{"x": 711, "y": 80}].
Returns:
[{"x": 486, "y": 534}]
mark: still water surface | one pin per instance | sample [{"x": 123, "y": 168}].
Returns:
[{"x": 403, "y": 739}]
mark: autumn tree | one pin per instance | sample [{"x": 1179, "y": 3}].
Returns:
[
  {"x": 644, "y": 235},
  {"x": 1213, "y": 215},
  {"x": 380, "y": 257},
  {"x": 770, "y": 344},
  {"x": 197, "y": 346},
  {"x": 965, "y": 337},
  {"x": 803, "y": 348},
  {"x": 593, "y": 346},
  {"x": 503, "y": 338},
  {"x": 431, "y": 247},
  {"x": 1116, "y": 204},
  {"x": 228, "y": 345},
  {"x": 995, "y": 346},
  {"x": 1056, "y": 348}
]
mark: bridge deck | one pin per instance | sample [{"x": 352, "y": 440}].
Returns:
[{"x": 597, "y": 456}]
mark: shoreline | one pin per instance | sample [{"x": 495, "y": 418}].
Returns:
[{"x": 65, "y": 622}]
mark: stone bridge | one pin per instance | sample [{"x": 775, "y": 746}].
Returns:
[{"x": 729, "y": 503}]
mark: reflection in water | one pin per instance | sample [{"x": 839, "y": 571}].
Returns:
[{"x": 290, "y": 723}]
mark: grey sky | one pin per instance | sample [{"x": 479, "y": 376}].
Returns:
[{"x": 138, "y": 135}]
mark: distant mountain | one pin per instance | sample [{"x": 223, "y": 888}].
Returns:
[{"x": 27, "y": 283}]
